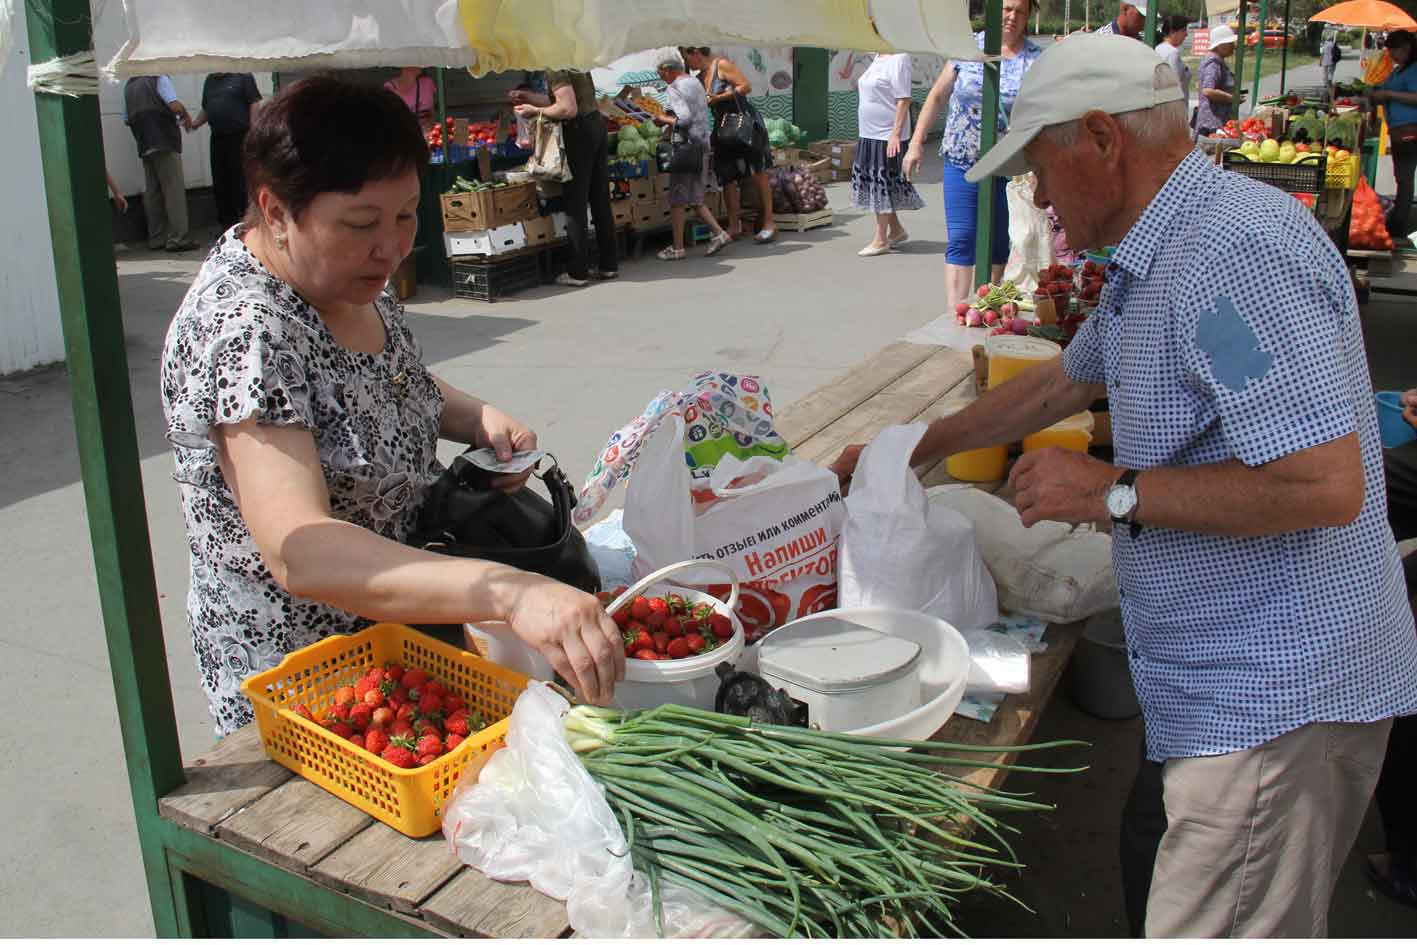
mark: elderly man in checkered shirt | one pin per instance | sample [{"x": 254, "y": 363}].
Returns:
[{"x": 1269, "y": 634}]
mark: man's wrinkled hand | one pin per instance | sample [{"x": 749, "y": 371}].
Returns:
[{"x": 1058, "y": 485}]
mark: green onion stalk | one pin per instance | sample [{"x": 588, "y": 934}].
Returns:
[{"x": 806, "y": 833}]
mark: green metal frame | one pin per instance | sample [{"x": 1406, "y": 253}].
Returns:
[
  {"x": 1240, "y": 54},
  {"x": 1259, "y": 54},
  {"x": 1284, "y": 52},
  {"x": 988, "y": 134}
]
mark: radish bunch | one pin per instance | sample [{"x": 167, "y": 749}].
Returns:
[{"x": 996, "y": 307}]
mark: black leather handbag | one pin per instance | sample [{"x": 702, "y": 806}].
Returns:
[
  {"x": 465, "y": 517},
  {"x": 737, "y": 131},
  {"x": 680, "y": 154}
]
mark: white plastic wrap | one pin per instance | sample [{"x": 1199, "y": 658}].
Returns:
[
  {"x": 997, "y": 662},
  {"x": 536, "y": 815},
  {"x": 897, "y": 550}
]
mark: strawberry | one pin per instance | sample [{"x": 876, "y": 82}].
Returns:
[
  {"x": 423, "y": 727},
  {"x": 622, "y": 617},
  {"x": 406, "y": 712},
  {"x": 426, "y": 760},
  {"x": 722, "y": 627},
  {"x": 694, "y": 642},
  {"x": 302, "y": 710},
  {"x": 399, "y": 757},
  {"x": 376, "y": 740},
  {"x": 436, "y": 688},
  {"x": 414, "y": 678},
  {"x": 357, "y": 739},
  {"x": 640, "y": 608},
  {"x": 452, "y": 703},
  {"x": 702, "y": 612},
  {"x": 361, "y": 688},
  {"x": 677, "y": 649},
  {"x": 648, "y": 655},
  {"x": 340, "y": 712},
  {"x": 458, "y": 724},
  {"x": 430, "y": 703},
  {"x": 452, "y": 741},
  {"x": 374, "y": 698},
  {"x": 430, "y": 744},
  {"x": 658, "y": 605},
  {"x": 400, "y": 729},
  {"x": 388, "y": 687},
  {"x": 638, "y": 626},
  {"x": 605, "y": 597},
  {"x": 398, "y": 697},
  {"x": 643, "y": 641},
  {"x": 341, "y": 730},
  {"x": 677, "y": 604},
  {"x": 360, "y": 715},
  {"x": 345, "y": 695},
  {"x": 661, "y": 641},
  {"x": 393, "y": 671},
  {"x": 674, "y": 627}
]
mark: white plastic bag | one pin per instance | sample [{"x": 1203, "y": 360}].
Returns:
[
  {"x": 899, "y": 551},
  {"x": 997, "y": 661},
  {"x": 1051, "y": 570},
  {"x": 776, "y": 523},
  {"x": 1030, "y": 235},
  {"x": 536, "y": 815}
]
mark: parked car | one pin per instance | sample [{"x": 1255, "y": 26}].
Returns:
[{"x": 1273, "y": 39}]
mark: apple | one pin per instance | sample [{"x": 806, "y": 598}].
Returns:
[{"x": 1269, "y": 151}]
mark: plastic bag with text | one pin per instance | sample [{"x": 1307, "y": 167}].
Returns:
[
  {"x": 535, "y": 815},
  {"x": 897, "y": 550},
  {"x": 775, "y": 522}
]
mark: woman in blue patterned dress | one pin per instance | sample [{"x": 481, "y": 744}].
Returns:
[{"x": 961, "y": 84}]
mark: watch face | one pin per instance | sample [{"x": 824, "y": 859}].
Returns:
[{"x": 1120, "y": 500}]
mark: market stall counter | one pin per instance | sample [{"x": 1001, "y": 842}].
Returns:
[{"x": 292, "y": 858}]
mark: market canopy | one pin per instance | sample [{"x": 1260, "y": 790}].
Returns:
[
  {"x": 1368, "y": 14},
  {"x": 181, "y": 36}
]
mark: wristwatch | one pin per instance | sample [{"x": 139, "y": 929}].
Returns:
[{"x": 1122, "y": 501}]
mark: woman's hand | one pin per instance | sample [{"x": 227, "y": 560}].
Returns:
[
  {"x": 527, "y": 111},
  {"x": 573, "y": 632},
  {"x": 913, "y": 159},
  {"x": 505, "y": 436},
  {"x": 893, "y": 145}
]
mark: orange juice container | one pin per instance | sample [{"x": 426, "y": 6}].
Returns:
[
  {"x": 1011, "y": 355},
  {"x": 1074, "y": 433}
]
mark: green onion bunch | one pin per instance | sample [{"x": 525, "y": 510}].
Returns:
[{"x": 806, "y": 833}]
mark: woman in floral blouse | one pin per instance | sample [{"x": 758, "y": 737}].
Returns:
[
  {"x": 961, "y": 84},
  {"x": 305, "y": 425}
]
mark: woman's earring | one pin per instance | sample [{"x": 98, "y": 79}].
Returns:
[{"x": 280, "y": 242}]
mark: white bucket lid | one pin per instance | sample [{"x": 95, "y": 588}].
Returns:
[
  {"x": 831, "y": 654},
  {"x": 1023, "y": 347}
]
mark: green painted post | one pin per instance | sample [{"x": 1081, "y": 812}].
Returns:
[
  {"x": 1240, "y": 57},
  {"x": 1259, "y": 55},
  {"x": 1284, "y": 52},
  {"x": 988, "y": 134},
  {"x": 71, "y": 148},
  {"x": 1150, "y": 32}
]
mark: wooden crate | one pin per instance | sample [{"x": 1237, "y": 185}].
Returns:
[
  {"x": 801, "y": 222},
  {"x": 489, "y": 209}
]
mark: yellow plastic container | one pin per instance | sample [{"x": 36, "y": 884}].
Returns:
[
  {"x": 982, "y": 465},
  {"x": 1074, "y": 433},
  {"x": 1011, "y": 355},
  {"x": 410, "y": 800}
]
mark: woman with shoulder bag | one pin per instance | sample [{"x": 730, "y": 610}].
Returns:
[
  {"x": 587, "y": 193},
  {"x": 1398, "y": 96},
  {"x": 305, "y": 425},
  {"x": 735, "y": 161},
  {"x": 688, "y": 119}
]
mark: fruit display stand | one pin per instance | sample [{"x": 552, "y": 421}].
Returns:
[{"x": 230, "y": 842}]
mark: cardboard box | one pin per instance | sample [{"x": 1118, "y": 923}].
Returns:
[
  {"x": 559, "y": 221},
  {"x": 840, "y": 174},
  {"x": 493, "y": 242},
  {"x": 830, "y": 147},
  {"x": 643, "y": 188},
  {"x": 489, "y": 209},
  {"x": 539, "y": 230},
  {"x": 623, "y": 212},
  {"x": 661, "y": 185},
  {"x": 715, "y": 203}
]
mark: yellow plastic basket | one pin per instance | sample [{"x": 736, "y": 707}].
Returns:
[
  {"x": 410, "y": 800},
  {"x": 1342, "y": 175}
]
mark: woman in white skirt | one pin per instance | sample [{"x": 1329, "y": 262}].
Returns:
[{"x": 883, "y": 120}]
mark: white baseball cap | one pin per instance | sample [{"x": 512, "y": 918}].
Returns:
[
  {"x": 1221, "y": 35},
  {"x": 1080, "y": 74},
  {"x": 1139, "y": 4}
]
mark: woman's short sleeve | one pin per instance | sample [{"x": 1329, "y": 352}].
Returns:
[
  {"x": 900, "y": 77},
  {"x": 227, "y": 366}
]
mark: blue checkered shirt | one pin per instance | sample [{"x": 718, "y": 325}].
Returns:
[{"x": 1228, "y": 330}]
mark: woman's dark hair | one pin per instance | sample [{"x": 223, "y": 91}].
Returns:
[
  {"x": 1175, "y": 23},
  {"x": 323, "y": 134},
  {"x": 701, "y": 50},
  {"x": 1403, "y": 39}
]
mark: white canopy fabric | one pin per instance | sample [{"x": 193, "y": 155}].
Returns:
[{"x": 179, "y": 36}]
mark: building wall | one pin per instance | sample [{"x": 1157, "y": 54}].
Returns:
[{"x": 30, "y": 334}]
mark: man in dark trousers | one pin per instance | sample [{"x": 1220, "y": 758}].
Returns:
[
  {"x": 156, "y": 117},
  {"x": 227, "y": 98}
]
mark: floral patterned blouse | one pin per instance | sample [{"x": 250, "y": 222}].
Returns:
[
  {"x": 963, "y": 123},
  {"x": 244, "y": 344}
]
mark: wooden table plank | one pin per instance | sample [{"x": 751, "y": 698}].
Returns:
[
  {"x": 813, "y": 413},
  {"x": 1018, "y": 715},
  {"x": 384, "y": 867},
  {"x": 234, "y": 774},
  {"x": 901, "y": 401},
  {"x": 295, "y": 826},
  {"x": 473, "y": 905}
]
